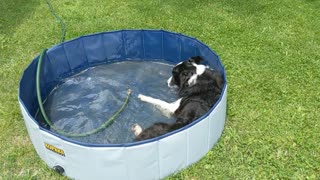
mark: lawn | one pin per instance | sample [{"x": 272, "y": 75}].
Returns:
[{"x": 270, "y": 50}]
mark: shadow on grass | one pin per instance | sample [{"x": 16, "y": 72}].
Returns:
[
  {"x": 12, "y": 13},
  {"x": 248, "y": 7},
  {"x": 313, "y": 3}
]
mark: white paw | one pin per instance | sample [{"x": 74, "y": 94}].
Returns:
[
  {"x": 136, "y": 129},
  {"x": 144, "y": 98}
]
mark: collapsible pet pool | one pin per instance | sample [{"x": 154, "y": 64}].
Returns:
[{"x": 150, "y": 159}]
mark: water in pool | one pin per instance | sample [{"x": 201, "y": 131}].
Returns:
[{"x": 85, "y": 101}]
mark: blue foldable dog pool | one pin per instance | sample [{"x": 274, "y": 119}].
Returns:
[{"x": 84, "y": 81}]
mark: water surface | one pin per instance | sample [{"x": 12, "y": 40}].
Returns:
[{"x": 86, "y": 100}]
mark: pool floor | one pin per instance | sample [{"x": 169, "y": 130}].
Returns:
[{"x": 83, "y": 102}]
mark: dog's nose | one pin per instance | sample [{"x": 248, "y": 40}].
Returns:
[{"x": 170, "y": 83}]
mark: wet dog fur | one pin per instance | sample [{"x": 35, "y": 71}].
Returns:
[{"x": 198, "y": 86}]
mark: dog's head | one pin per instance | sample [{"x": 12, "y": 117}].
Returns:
[{"x": 185, "y": 73}]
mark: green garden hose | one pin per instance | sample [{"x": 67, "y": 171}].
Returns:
[
  {"x": 63, "y": 26},
  {"x": 40, "y": 102}
]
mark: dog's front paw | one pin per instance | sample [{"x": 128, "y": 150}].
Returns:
[
  {"x": 144, "y": 98},
  {"x": 136, "y": 129}
]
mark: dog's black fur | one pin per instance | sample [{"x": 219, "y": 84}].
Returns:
[{"x": 196, "y": 100}]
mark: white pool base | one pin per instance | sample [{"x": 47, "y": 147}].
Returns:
[{"x": 154, "y": 160}]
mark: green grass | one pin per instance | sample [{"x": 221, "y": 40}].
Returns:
[{"x": 271, "y": 52}]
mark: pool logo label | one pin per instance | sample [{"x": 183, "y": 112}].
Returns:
[{"x": 54, "y": 149}]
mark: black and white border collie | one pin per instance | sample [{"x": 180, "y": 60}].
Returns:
[{"x": 199, "y": 87}]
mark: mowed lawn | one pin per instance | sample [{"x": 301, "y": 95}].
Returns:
[{"x": 270, "y": 50}]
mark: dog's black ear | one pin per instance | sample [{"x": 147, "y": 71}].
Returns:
[{"x": 197, "y": 59}]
